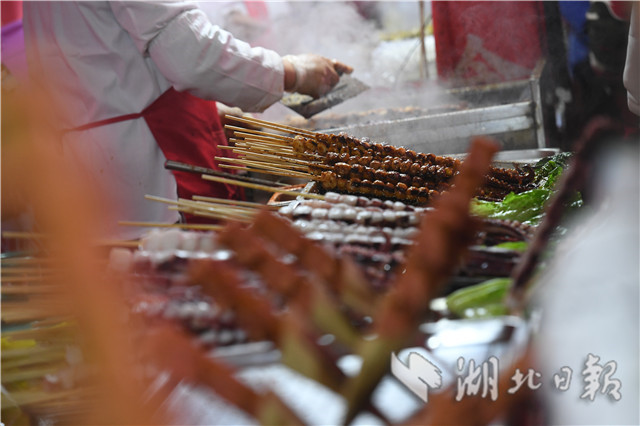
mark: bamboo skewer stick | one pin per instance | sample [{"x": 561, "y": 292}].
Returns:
[
  {"x": 260, "y": 165},
  {"x": 66, "y": 406},
  {"x": 194, "y": 208},
  {"x": 119, "y": 243},
  {"x": 37, "y": 301},
  {"x": 194, "y": 226},
  {"x": 54, "y": 323},
  {"x": 28, "y": 398},
  {"x": 9, "y": 261},
  {"x": 226, "y": 201},
  {"x": 25, "y": 314},
  {"x": 24, "y": 235},
  {"x": 48, "y": 358},
  {"x": 183, "y": 167},
  {"x": 268, "y": 124},
  {"x": 13, "y": 270},
  {"x": 282, "y": 150},
  {"x": 252, "y": 145},
  {"x": 288, "y": 152},
  {"x": 8, "y": 354},
  {"x": 269, "y": 149},
  {"x": 253, "y": 163},
  {"x": 263, "y": 187},
  {"x": 40, "y": 236},
  {"x": 27, "y": 279},
  {"x": 260, "y": 144},
  {"x": 265, "y": 149},
  {"x": 201, "y": 213},
  {"x": 31, "y": 373},
  {"x": 160, "y": 199},
  {"x": 265, "y": 171},
  {"x": 272, "y": 159},
  {"x": 307, "y": 163},
  {"x": 277, "y": 163},
  {"x": 229, "y": 206},
  {"x": 258, "y": 134},
  {"x": 29, "y": 289},
  {"x": 229, "y": 213},
  {"x": 265, "y": 140},
  {"x": 267, "y": 155},
  {"x": 217, "y": 209},
  {"x": 38, "y": 333},
  {"x": 289, "y": 162},
  {"x": 225, "y": 209}
]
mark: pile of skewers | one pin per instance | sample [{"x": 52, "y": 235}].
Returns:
[
  {"x": 42, "y": 366},
  {"x": 376, "y": 233},
  {"x": 322, "y": 293},
  {"x": 346, "y": 164},
  {"x": 283, "y": 287}
]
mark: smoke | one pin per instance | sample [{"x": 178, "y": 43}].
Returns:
[
  {"x": 331, "y": 29},
  {"x": 349, "y": 32}
]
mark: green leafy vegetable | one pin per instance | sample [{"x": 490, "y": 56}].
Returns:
[
  {"x": 549, "y": 169},
  {"x": 528, "y": 207},
  {"x": 520, "y": 246},
  {"x": 481, "y": 300}
]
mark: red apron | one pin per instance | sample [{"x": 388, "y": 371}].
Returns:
[{"x": 187, "y": 129}]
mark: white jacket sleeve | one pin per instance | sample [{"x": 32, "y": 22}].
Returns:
[
  {"x": 199, "y": 57},
  {"x": 632, "y": 66}
]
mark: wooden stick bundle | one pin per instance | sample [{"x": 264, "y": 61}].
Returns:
[
  {"x": 8, "y": 270},
  {"x": 232, "y": 202},
  {"x": 41, "y": 236},
  {"x": 268, "y": 158},
  {"x": 263, "y": 187},
  {"x": 257, "y": 135},
  {"x": 197, "y": 226},
  {"x": 258, "y": 165},
  {"x": 268, "y": 124},
  {"x": 204, "y": 209},
  {"x": 28, "y": 289}
]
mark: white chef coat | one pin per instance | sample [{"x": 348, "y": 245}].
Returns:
[{"x": 99, "y": 60}]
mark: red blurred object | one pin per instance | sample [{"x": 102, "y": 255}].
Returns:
[
  {"x": 257, "y": 9},
  {"x": 480, "y": 42},
  {"x": 11, "y": 11},
  {"x": 620, "y": 10}
]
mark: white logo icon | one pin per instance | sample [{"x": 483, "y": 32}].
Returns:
[{"x": 418, "y": 375}]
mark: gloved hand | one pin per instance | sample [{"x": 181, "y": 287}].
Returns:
[
  {"x": 315, "y": 75},
  {"x": 224, "y": 110}
]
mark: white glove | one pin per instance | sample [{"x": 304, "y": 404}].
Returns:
[
  {"x": 224, "y": 110},
  {"x": 315, "y": 74}
]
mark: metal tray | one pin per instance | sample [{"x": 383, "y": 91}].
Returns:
[
  {"x": 511, "y": 112},
  {"x": 511, "y": 158}
]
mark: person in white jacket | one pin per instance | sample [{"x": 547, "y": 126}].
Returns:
[{"x": 134, "y": 83}]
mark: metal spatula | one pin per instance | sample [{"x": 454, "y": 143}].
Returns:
[{"x": 306, "y": 106}]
